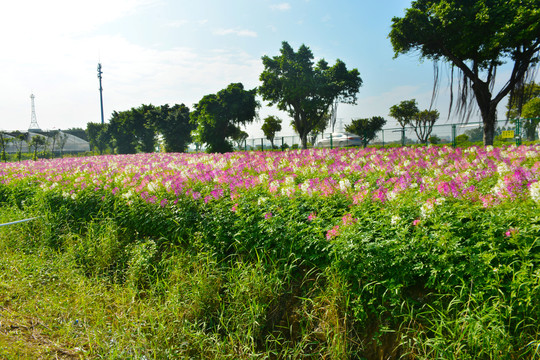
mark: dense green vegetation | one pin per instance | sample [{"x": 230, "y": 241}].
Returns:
[{"x": 365, "y": 266}]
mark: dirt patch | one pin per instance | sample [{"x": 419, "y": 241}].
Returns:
[{"x": 26, "y": 338}]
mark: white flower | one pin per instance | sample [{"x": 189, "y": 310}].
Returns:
[
  {"x": 502, "y": 168},
  {"x": 391, "y": 195},
  {"x": 535, "y": 191},
  {"x": 395, "y": 219},
  {"x": 426, "y": 209},
  {"x": 305, "y": 187},
  {"x": 344, "y": 184},
  {"x": 152, "y": 186},
  {"x": 262, "y": 200},
  {"x": 289, "y": 181},
  {"x": 287, "y": 191}
]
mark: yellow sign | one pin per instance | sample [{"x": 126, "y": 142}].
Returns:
[{"x": 508, "y": 134}]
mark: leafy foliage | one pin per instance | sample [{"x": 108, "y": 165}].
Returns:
[
  {"x": 271, "y": 125},
  {"x": 404, "y": 112},
  {"x": 475, "y": 37},
  {"x": 304, "y": 89},
  {"x": 366, "y": 128},
  {"x": 423, "y": 123},
  {"x": 175, "y": 126},
  {"x": 407, "y": 253},
  {"x": 217, "y": 116}
]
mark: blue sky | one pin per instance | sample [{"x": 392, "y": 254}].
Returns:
[{"x": 176, "y": 51}]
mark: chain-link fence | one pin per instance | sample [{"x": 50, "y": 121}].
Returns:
[{"x": 506, "y": 131}]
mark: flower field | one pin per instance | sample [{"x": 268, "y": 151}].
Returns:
[{"x": 434, "y": 250}]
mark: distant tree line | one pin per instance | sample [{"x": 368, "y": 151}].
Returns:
[{"x": 306, "y": 91}]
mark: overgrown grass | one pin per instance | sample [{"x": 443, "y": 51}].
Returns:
[{"x": 59, "y": 304}]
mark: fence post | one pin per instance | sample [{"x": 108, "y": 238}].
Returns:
[
  {"x": 282, "y": 143},
  {"x": 403, "y": 136},
  {"x": 331, "y": 142},
  {"x": 383, "y": 138},
  {"x": 518, "y": 132},
  {"x": 454, "y": 135}
]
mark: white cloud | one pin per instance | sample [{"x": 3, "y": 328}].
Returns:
[
  {"x": 243, "y": 33},
  {"x": 176, "y": 24},
  {"x": 281, "y": 7}
]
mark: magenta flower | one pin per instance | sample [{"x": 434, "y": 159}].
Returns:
[
  {"x": 268, "y": 215},
  {"x": 348, "y": 219},
  {"x": 416, "y": 222},
  {"x": 312, "y": 216},
  {"x": 511, "y": 232},
  {"x": 332, "y": 233}
]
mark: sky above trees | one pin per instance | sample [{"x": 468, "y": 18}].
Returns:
[{"x": 175, "y": 51}]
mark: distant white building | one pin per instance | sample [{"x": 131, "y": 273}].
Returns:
[{"x": 59, "y": 142}]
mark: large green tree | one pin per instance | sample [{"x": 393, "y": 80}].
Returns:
[
  {"x": 175, "y": 126},
  {"x": 134, "y": 130},
  {"x": 217, "y": 116},
  {"x": 144, "y": 121},
  {"x": 475, "y": 37},
  {"x": 98, "y": 136},
  {"x": 121, "y": 132},
  {"x": 366, "y": 128},
  {"x": 271, "y": 125},
  {"x": 306, "y": 90}
]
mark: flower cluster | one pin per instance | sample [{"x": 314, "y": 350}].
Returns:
[{"x": 487, "y": 176}]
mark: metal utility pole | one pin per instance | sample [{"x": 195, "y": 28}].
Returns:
[{"x": 99, "y": 72}]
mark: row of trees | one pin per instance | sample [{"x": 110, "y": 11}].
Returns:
[
  {"x": 473, "y": 37},
  {"x": 139, "y": 129},
  {"x": 292, "y": 81}
]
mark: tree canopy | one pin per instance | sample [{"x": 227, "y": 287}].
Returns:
[
  {"x": 366, "y": 128},
  {"x": 271, "y": 125},
  {"x": 217, "y": 116},
  {"x": 476, "y": 37},
  {"x": 404, "y": 112},
  {"x": 175, "y": 125},
  {"x": 423, "y": 122},
  {"x": 305, "y": 90}
]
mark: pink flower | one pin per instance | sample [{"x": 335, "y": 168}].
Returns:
[
  {"x": 234, "y": 207},
  {"x": 510, "y": 232},
  {"x": 312, "y": 216},
  {"x": 163, "y": 203},
  {"x": 348, "y": 219},
  {"x": 268, "y": 215},
  {"x": 416, "y": 222},
  {"x": 332, "y": 233}
]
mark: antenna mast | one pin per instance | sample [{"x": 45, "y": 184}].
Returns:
[
  {"x": 100, "y": 91},
  {"x": 33, "y": 122}
]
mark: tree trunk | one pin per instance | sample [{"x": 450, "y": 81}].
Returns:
[
  {"x": 489, "y": 120},
  {"x": 488, "y": 110},
  {"x": 303, "y": 138}
]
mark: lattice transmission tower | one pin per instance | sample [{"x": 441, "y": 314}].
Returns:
[{"x": 33, "y": 122}]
